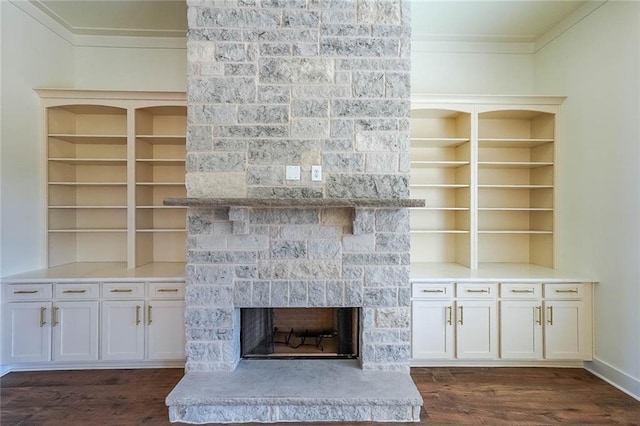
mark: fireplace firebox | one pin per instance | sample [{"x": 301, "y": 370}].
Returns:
[{"x": 299, "y": 333}]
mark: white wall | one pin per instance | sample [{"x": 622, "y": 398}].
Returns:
[
  {"x": 470, "y": 72},
  {"x": 597, "y": 65},
  {"x": 121, "y": 68},
  {"x": 32, "y": 56}
]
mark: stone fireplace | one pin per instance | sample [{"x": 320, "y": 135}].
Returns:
[{"x": 277, "y": 83}]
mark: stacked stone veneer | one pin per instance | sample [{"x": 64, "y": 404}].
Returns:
[{"x": 297, "y": 82}]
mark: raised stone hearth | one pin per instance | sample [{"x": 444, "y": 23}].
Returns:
[
  {"x": 276, "y": 83},
  {"x": 286, "y": 391}
]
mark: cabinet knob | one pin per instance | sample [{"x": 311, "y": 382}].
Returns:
[
  {"x": 25, "y": 292},
  {"x": 438, "y": 290},
  {"x": 121, "y": 290},
  {"x": 167, "y": 290},
  {"x": 572, "y": 290},
  {"x": 521, "y": 291},
  {"x": 74, "y": 291},
  {"x": 484, "y": 290}
]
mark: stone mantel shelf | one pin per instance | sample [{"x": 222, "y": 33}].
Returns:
[{"x": 296, "y": 202}]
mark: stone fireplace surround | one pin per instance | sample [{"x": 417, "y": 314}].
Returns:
[{"x": 297, "y": 82}]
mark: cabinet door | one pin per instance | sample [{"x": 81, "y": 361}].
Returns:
[
  {"x": 75, "y": 331},
  {"x": 432, "y": 329},
  {"x": 521, "y": 329},
  {"x": 476, "y": 329},
  {"x": 122, "y": 330},
  {"x": 165, "y": 329},
  {"x": 27, "y": 328},
  {"x": 565, "y": 330}
]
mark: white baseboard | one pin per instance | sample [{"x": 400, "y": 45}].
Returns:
[
  {"x": 613, "y": 376},
  {"x": 4, "y": 369}
]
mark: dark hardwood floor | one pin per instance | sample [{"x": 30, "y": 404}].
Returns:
[{"x": 452, "y": 396}]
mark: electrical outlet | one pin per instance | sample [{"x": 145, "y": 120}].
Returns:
[
  {"x": 292, "y": 173},
  {"x": 316, "y": 173}
]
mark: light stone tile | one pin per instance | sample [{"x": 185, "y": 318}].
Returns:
[
  {"x": 298, "y": 293},
  {"x": 392, "y": 220},
  {"x": 325, "y": 249},
  {"x": 316, "y": 128},
  {"x": 288, "y": 249},
  {"x": 381, "y": 162},
  {"x": 359, "y": 243},
  {"x": 335, "y": 293},
  {"x": 317, "y": 293},
  {"x": 261, "y": 294},
  {"x": 392, "y": 317},
  {"x": 380, "y": 11},
  {"x": 295, "y": 70},
  {"x": 216, "y": 185},
  {"x": 279, "y": 293},
  {"x": 380, "y": 297},
  {"x": 386, "y": 242}
]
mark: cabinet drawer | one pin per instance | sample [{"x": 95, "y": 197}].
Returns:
[
  {"x": 166, "y": 290},
  {"x": 520, "y": 290},
  {"x": 564, "y": 291},
  {"x": 432, "y": 290},
  {"x": 17, "y": 292},
  {"x": 76, "y": 291},
  {"x": 476, "y": 290},
  {"x": 123, "y": 290}
]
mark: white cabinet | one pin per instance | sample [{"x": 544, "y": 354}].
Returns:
[
  {"x": 75, "y": 330},
  {"x": 476, "y": 321},
  {"x": 62, "y": 329},
  {"x": 123, "y": 330},
  {"x": 476, "y": 329},
  {"x": 433, "y": 329},
  {"x": 27, "y": 332},
  {"x": 536, "y": 322},
  {"x": 568, "y": 331},
  {"x": 165, "y": 329},
  {"x": 444, "y": 327},
  {"x": 521, "y": 321},
  {"x": 137, "y": 328},
  {"x": 93, "y": 324}
]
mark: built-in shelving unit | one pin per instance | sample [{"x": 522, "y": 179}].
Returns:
[
  {"x": 112, "y": 157},
  {"x": 485, "y": 167},
  {"x": 160, "y": 151},
  {"x": 441, "y": 174}
]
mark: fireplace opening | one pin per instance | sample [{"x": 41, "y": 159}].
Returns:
[{"x": 299, "y": 333}]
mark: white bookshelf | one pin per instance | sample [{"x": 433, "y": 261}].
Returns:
[
  {"x": 485, "y": 167},
  {"x": 112, "y": 157}
]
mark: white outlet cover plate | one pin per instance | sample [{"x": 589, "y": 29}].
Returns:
[
  {"x": 316, "y": 173},
  {"x": 292, "y": 173}
]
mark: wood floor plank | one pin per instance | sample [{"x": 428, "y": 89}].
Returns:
[{"x": 494, "y": 396}]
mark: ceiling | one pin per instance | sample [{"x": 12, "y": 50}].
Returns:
[{"x": 432, "y": 20}]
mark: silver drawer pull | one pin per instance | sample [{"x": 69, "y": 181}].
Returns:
[
  {"x": 478, "y": 291},
  {"x": 25, "y": 292},
  {"x": 521, "y": 291},
  {"x": 122, "y": 290},
  {"x": 573, "y": 290},
  {"x": 167, "y": 290},
  {"x": 74, "y": 291},
  {"x": 438, "y": 290}
]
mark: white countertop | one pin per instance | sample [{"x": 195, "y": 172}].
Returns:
[
  {"x": 102, "y": 271},
  {"x": 174, "y": 271},
  {"x": 491, "y": 272}
]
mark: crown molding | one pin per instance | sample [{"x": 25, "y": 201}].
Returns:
[
  {"x": 429, "y": 45},
  {"x": 567, "y": 23},
  {"x": 86, "y": 40}
]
